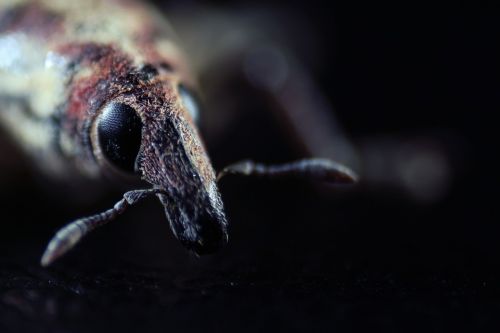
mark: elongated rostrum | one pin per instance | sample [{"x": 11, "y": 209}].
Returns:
[{"x": 100, "y": 88}]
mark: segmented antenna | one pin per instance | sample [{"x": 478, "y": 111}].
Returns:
[
  {"x": 67, "y": 237},
  {"x": 318, "y": 169}
]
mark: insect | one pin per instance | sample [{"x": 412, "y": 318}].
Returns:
[{"x": 89, "y": 94}]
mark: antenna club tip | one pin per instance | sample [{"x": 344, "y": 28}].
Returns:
[
  {"x": 55, "y": 250},
  {"x": 352, "y": 176},
  {"x": 47, "y": 259}
]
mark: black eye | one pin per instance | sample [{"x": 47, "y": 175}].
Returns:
[
  {"x": 119, "y": 131},
  {"x": 190, "y": 102}
]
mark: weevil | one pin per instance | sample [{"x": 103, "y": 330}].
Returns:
[{"x": 101, "y": 88}]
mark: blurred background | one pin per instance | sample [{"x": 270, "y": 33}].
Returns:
[{"x": 301, "y": 257}]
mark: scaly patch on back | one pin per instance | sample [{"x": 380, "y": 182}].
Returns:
[
  {"x": 80, "y": 62},
  {"x": 31, "y": 18}
]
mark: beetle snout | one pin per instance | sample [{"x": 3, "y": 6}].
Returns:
[
  {"x": 210, "y": 237},
  {"x": 198, "y": 224},
  {"x": 174, "y": 161}
]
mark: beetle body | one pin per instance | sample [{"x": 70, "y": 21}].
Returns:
[
  {"x": 86, "y": 92},
  {"x": 99, "y": 87}
]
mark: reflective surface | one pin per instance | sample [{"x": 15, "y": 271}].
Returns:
[{"x": 300, "y": 257}]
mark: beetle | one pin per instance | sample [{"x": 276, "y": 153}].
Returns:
[{"x": 91, "y": 94}]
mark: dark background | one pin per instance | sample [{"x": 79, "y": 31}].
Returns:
[{"x": 300, "y": 258}]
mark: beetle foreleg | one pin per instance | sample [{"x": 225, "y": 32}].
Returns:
[
  {"x": 67, "y": 237},
  {"x": 318, "y": 169}
]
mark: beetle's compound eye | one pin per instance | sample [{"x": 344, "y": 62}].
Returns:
[
  {"x": 190, "y": 102},
  {"x": 119, "y": 130}
]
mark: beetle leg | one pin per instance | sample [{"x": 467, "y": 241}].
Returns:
[
  {"x": 318, "y": 169},
  {"x": 254, "y": 48},
  {"x": 67, "y": 237}
]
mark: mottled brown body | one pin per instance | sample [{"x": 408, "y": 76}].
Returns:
[
  {"x": 96, "y": 63},
  {"x": 99, "y": 87},
  {"x": 139, "y": 67}
]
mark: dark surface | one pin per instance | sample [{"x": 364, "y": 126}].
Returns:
[{"x": 299, "y": 258}]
